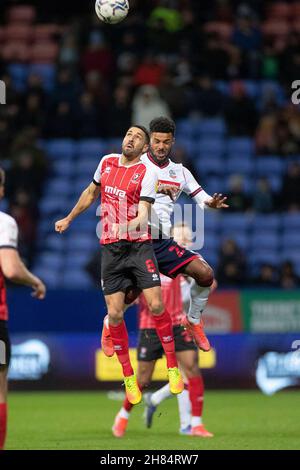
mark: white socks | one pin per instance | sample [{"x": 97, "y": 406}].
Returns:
[
  {"x": 123, "y": 413},
  {"x": 199, "y": 298},
  {"x": 184, "y": 407},
  {"x": 161, "y": 395},
  {"x": 196, "y": 421}
]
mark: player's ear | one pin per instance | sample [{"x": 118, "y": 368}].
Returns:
[{"x": 145, "y": 148}]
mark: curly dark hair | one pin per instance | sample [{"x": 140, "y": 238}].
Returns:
[{"x": 164, "y": 125}]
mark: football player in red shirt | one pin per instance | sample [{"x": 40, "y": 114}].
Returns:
[
  {"x": 12, "y": 268},
  {"x": 128, "y": 190},
  {"x": 176, "y": 299}
]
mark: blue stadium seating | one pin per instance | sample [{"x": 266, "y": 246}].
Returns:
[
  {"x": 46, "y": 72},
  {"x": 61, "y": 149},
  {"x": 241, "y": 164},
  {"x": 19, "y": 75},
  {"x": 271, "y": 165},
  {"x": 291, "y": 221},
  {"x": 215, "y": 127},
  {"x": 91, "y": 149},
  {"x": 263, "y": 239},
  {"x": 76, "y": 279},
  {"x": 240, "y": 146}
]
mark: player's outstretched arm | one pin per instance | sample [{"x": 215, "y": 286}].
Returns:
[
  {"x": 87, "y": 198},
  {"x": 14, "y": 269},
  {"x": 218, "y": 201}
]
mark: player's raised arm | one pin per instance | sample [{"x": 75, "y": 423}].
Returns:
[
  {"x": 195, "y": 191},
  {"x": 87, "y": 198}
]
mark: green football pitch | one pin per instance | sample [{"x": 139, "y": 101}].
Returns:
[{"x": 83, "y": 420}]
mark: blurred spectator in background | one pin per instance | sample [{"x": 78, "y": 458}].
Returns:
[
  {"x": 237, "y": 199},
  {"x": 206, "y": 98},
  {"x": 267, "y": 277},
  {"x": 60, "y": 122},
  {"x": 5, "y": 139},
  {"x": 149, "y": 72},
  {"x": 147, "y": 105},
  {"x": 23, "y": 209},
  {"x": 263, "y": 200},
  {"x": 119, "y": 115},
  {"x": 240, "y": 112},
  {"x": 98, "y": 57},
  {"x": 288, "y": 276},
  {"x": 290, "y": 195},
  {"x": 89, "y": 122},
  {"x": 231, "y": 269}
]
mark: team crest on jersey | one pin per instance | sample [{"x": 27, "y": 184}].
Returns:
[
  {"x": 136, "y": 178},
  {"x": 107, "y": 170},
  {"x": 173, "y": 174}
]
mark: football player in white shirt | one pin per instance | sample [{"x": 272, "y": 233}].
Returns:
[
  {"x": 12, "y": 268},
  {"x": 172, "y": 258}
]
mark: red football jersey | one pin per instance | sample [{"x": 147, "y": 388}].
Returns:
[
  {"x": 8, "y": 239},
  {"x": 122, "y": 188},
  {"x": 171, "y": 293}
]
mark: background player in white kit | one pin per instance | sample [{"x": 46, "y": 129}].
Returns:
[{"x": 12, "y": 268}]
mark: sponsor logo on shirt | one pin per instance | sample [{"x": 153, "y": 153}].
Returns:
[
  {"x": 116, "y": 191},
  {"x": 173, "y": 174}
]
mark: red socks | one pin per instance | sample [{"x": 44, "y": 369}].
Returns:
[
  {"x": 164, "y": 329},
  {"x": 196, "y": 392},
  {"x": 3, "y": 424},
  {"x": 119, "y": 337}
]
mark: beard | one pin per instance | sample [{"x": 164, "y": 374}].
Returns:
[{"x": 160, "y": 160}]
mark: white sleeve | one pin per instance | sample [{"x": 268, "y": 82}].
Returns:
[
  {"x": 8, "y": 233},
  {"x": 193, "y": 189},
  {"x": 98, "y": 172},
  {"x": 149, "y": 186}
]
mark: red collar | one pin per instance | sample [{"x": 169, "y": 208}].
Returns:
[{"x": 155, "y": 163}]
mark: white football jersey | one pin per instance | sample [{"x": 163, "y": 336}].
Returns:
[
  {"x": 174, "y": 174},
  {"x": 8, "y": 231}
]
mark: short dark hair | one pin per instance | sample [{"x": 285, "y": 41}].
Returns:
[
  {"x": 145, "y": 130},
  {"x": 163, "y": 125},
  {"x": 2, "y": 176}
]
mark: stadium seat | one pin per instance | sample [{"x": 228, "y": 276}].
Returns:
[
  {"x": 76, "y": 259},
  {"x": 46, "y": 32},
  {"x": 58, "y": 187},
  {"x": 54, "y": 243},
  {"x": 291, "y": 221},
  {"x": 83, "y": 243},
  {"x": 78, "y": 279},
  {"x": 61, "y": 149},
  {"x": 240, "y": 146},
  {"x": 18, "y": 32},
  {"x": 50, "y": 260},
  {"x": 44, "y": 52},
  {"x": 290, "y": 240},
  {"x": 15, "y": 51},
  {"x": 19, "y": 75},
  {"x": 221, "y": 28},
  {"x": 266, "y": 166},
  {"x": 276, "y": 28},
  {"x": 212, "y": 165},
  {"x": 238, "y": 222},
  {"x": 211, "y": 256},
  {"x": 259, "y": 257},
  {"x": 52, "y": 206},
  {"x": 215, "y": 184},
  {"x": 91, "y": 149},
  {"x": 24, "y": 14},
  {"x": 252, "y": 88},
  {"x": 51, "y": 277},
  {"x": 63, "y": 168},
  {"x": 275, "y": 183},
  {"x": 271, "y": 222},
  {"x": 265, "y": 239},
  {"x": 242, "y": 164},
  {"x": 211, "y": 147},
  {"x": 211, "y": 220},
  {"x": 215, "y": 127},
  {"x": 279, "y": 10},
  {"x": 46, "y": 72}
]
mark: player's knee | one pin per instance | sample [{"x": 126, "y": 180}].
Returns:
[
  {"x": 115, "y": 316},
  {"x": 156, "y": 307}
]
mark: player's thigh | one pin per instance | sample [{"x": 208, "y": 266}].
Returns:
[
  {"x": 188, "y": 361},
  {"x": 200, "y": 270},
  {"x": 145, "y": 371},
  {"x": 143, "y": 266}
]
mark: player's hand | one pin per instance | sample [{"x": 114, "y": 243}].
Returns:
[
  {"x": 62, "y": 225},
  {"x": 168, "y": 190},
  {"x": 218, "y": 201},
  {"x": 39, "y": 289}
]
